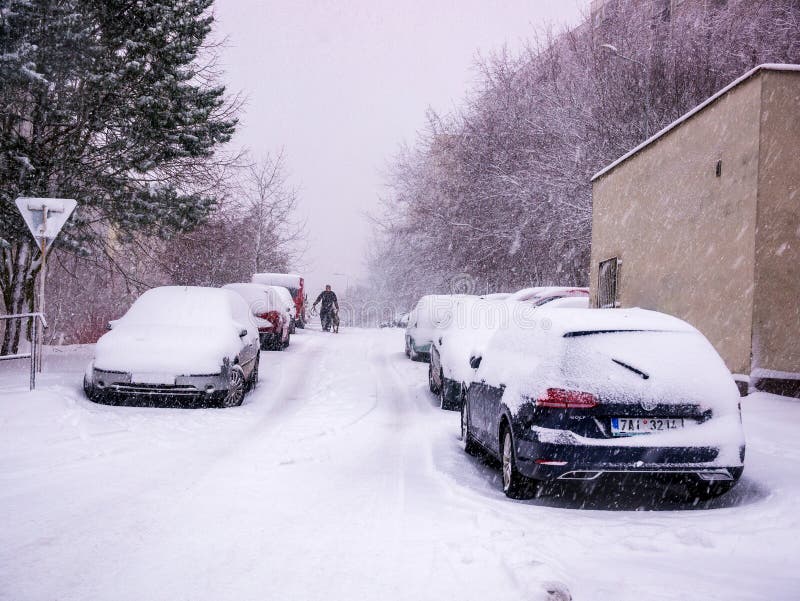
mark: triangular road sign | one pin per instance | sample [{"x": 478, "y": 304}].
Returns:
[{"x": 45, "y": 216}]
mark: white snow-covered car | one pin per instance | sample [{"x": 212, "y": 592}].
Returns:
[
  {"x": 565, "y": 302},
  {"x": 587, "y": 394},
  {"x": 288, "y": 302},
  {"x": 432, "y": 314},
  {"x": 475, "y": 320},
  {"x": 195, "y": 345},
  {"x": 268, "y": 312},
  {"x": 541, "y": 295},
  {"x": 526, "y": 294}
]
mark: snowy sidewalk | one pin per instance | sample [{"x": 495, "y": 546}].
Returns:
[{"x": 340, "y": 478}]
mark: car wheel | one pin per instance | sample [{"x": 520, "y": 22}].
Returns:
[
  {"x": 467, "y": 442},
  {"x": 415, "y": 356},
  {"x": 431, "y": 384},
  {"x": 515, "y": 485},
  {"x": 90, "y": 391},
  {"x": 236, "y": 385},
  {"x": 253, "y": 380},
  {"x": 444, "y": 402}
]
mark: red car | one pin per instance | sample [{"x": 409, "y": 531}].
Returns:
[
  {"x": 294, "y": 284},
  {"x": 268, "y": 314}
]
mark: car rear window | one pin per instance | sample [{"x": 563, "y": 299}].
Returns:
[{"x": 671, "y": 362}]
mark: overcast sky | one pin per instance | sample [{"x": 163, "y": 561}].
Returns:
[{"x": 340, "y": 85}]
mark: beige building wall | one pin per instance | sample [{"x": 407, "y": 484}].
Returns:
[
  {"x": 686, "y": 238},
  {"x": 776, "y": 315}
]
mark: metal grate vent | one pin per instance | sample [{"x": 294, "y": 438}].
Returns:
[{"x": 607, "y": 284}]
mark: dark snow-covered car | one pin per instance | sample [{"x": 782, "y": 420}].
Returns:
[
  {"x": 588, "y": 393},
  {"x": 269, "y": 313},
  {"x": 195, "y": 345}
]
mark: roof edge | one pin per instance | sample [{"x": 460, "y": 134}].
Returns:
[{"x": 694, "y": 111}]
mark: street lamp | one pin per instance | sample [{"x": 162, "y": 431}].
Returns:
[{"x": 615, "y": 52}]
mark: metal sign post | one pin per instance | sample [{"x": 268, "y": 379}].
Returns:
[{"x": 44, "y": 217}]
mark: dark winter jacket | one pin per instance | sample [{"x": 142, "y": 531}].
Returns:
[{"x": 328, "y": 298}]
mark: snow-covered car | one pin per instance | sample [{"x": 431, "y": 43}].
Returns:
[
  {"x": 565, "y": 302},
  {"x": 550, "y": 295},
  {"x": 476, "y": 319},
  {"x": 295, "y": 284},
  {"x": 431, "y": 314},
  {"x": 194, "y": 344},
  {"x": 589, "y": 393},
  {"x": 540, "y": 295},
  {"x": 268, "y": 311},
  {"x": 288, "y": 302},
  {"x": 526, "y": 294}
]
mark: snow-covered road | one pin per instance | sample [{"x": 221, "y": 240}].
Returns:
[{"x": 339, "y": 478}]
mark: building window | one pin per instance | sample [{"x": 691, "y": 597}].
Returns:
[{"x": 608, "y": 284}]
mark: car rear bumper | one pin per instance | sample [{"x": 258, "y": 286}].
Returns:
[{"x": 552, "y": 461}]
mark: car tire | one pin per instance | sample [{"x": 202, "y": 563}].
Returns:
[
  {"x": 91, "y": 392},
  {"x": 515, "y": 485},
  {"x": 234, "y": 395},
  {"x": 446, "y": 403},
  {"x": 431, "y": 384},
  {"x": 413, "y": 355},
  {"x": 288, "y": 338},
  {"x": 275, "y": 343},
  {"x": 408, "y": 350},
  {"x": 467, "y": 442},
  {"x": 252, "y": 382}
]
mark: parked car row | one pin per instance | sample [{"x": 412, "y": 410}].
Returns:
[
  {"x": 194, "y": 345},
  {"x": 571, "y": 393}
]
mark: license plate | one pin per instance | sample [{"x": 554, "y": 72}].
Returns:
[
  {"x": 631, "y": 426},
  {"x": 153, "y": 378}
]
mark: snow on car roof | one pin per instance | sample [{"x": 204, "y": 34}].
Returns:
[
  {"x": 536, "y": 292},
  {"x": 260, "y": 298},
  {"x": 571, "y": 322},
  {"x": 181, "y": 305},
  {"x": 288, "y": 280}
]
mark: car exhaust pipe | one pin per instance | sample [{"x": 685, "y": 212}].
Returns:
[{"x": 715, "y": 476}]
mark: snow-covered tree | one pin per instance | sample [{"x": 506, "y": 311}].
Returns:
[
  {"x": 500, "y": 190},
  {"x": 112, "y": 103}
]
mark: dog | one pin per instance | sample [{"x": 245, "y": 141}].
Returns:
[{"x": 335, "y": 321}]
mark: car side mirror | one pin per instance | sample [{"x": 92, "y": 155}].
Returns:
[
  {"x": 475, "y": 362},
  {"x": 242, "y": 333},
  {"x": 440, "y": 340}
]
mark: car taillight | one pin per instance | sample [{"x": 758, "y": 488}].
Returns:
[
  {"x": 271, "y": 316},
  {"x": 567, "y": 399}
]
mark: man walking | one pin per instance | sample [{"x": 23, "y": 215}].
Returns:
[{"x": 326, "y": 311}]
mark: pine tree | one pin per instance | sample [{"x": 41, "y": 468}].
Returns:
[{"x": 109, "y": 102}]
